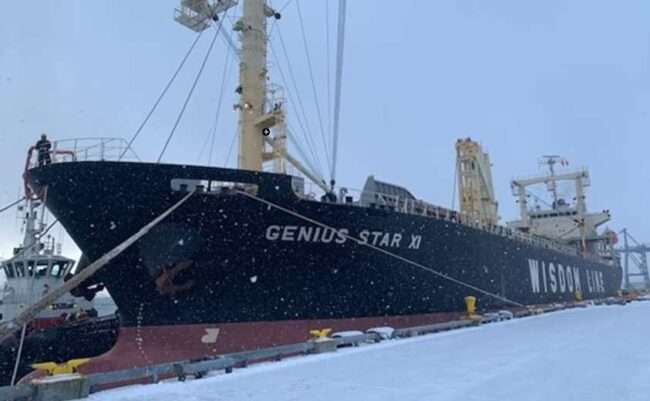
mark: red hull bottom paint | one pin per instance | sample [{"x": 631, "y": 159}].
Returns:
[
  {"x": 41, "y": 324},
  {"x": 142, "y": 346}
]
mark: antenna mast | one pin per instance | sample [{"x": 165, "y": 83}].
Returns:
[
  {"x": 33, "y": 227},
  {"x": 551, "y": 161}
]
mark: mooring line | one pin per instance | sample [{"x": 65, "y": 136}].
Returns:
[
  {"x": 376, "y": 248},
  {"x": 9, "y": 206},
  {"x": 18, "y": 356},
  {"x": 7, "y": 329}
]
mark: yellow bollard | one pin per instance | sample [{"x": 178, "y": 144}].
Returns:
[
  {"x": 321, "y": 342},
  {"x": 319, "y": 334},
  {"x": 578, "y": 295},
  {"x": 53, "y": 368},
  {"x": 470, "y": 303}
]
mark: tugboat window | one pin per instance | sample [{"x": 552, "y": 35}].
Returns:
[
  {"x": 41, "y": 269},
  {"x": 66, "y": 268},
  {"x": 20, "y": 269},
  {"x": 30, "y": 268},
  {"x": 56, "y": 269},
  {"x": 9, "y": 270}
]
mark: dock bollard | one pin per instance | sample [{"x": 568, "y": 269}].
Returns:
[
  {"x": 322, "y": 343},
  {"x": 62, "y": 387},
  {"x": 470, "y": 304},
  {"x": 578, "y": 295},
  {"x": 62, "y": 382}
]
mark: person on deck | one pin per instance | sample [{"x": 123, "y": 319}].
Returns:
[{"x": 43, "y": 147}]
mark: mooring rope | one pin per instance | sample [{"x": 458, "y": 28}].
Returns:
[
  {"x": 384, "y": 251},
  {"x": 18, "y": 356},
  {"x": 12, "y": 204},
  {"x": 7, "y": 329}
]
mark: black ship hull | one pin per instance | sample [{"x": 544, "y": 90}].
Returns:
[
  {"x": 83, "y": 339},
  {"x": 224, "y": 258}
]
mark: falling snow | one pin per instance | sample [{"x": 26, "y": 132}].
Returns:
[{"x": 579, "y": 354}]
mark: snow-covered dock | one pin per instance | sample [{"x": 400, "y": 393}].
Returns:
[{"x": 597, "y": 353}]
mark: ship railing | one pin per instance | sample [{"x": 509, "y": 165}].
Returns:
[
  {"x": 422, "y": 208},
  {"x": 88, "y": 149},
  {"x": 574, "y": 170}
]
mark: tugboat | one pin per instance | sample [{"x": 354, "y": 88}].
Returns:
[
  {"x": 69, "y": 328},
  {"x": 250, "y": 260}
]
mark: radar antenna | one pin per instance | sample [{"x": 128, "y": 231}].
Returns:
[{"x": 551, "y": 161}]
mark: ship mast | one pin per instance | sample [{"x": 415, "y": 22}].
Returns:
[
  {"x": 550, "y": 161},
  {"x": 256, "y": 115},
  {"x": 253, "y": 121},
  {"x": 33, "y": 228},
  {"x": 252, "y": 84}
]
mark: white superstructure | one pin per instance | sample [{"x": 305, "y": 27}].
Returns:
[
  {"x": 564, "y": 220},
  {"x": 35, "y": 269}
]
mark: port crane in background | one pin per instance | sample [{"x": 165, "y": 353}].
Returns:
[{"x": 635, "y": 261}]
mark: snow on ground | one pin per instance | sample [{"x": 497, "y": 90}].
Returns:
[{"x": 598, "y": 353}]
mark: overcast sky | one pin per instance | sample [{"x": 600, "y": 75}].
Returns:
[{"x": 525, "y": 78}]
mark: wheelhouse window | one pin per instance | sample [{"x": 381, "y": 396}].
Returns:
[
  {"x": 41, "y": 269},
  {"x": 9, "y": 270},
  {"x": 58, "y": 268},
  {"x": 20, "y": 269},
  {"x": 30, "y": 268}
]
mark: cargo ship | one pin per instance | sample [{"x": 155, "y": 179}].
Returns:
[{"x": 253, "y": 260}]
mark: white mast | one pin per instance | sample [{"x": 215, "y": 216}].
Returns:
[
  {"x": 550, "y": 161},
  {"x": 33, "y": 228}
]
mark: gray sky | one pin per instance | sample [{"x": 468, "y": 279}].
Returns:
[{"x": 525, "y": 78}]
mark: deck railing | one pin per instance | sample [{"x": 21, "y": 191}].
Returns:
[
  {"x": 421, "y": 208},
  {"x": 88, "y": 149}
]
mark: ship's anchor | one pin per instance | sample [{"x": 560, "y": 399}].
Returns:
[{"x": 165, "y": 281}]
